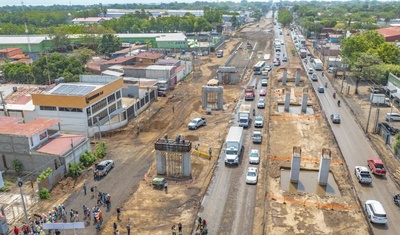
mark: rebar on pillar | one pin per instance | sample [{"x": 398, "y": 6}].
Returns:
[
  {"x": 297, "y": 79},
  {"x": 324, "y": 166},
  {"x": 304, "y": 100},
  {"x": 284, "y": 78},
  {"x": 295, "y": 165},
  {"x": 287, "y": 100}
]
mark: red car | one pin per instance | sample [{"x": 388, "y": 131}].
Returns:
[
  {"x": 376, "y": 166},
  {"x": 263, "y": 92}
]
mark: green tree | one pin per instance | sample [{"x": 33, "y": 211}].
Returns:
[
  {"x": 18, "y": 73},
  {"x": 83, "y": 54},
  {"x": 285, "y": 17},
  {"x": 109, "y": 44},
  {"x": 61, "y": 43},
  {"x": 361, "y": 68}
]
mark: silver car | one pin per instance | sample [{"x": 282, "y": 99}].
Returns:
[
  {"x": 392, "y": 117},
  {"x": 104, "y": 167},
  {"x": 261, "y": 104}
]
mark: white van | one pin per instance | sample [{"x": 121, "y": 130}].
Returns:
[{"x": 310, "y": 71}]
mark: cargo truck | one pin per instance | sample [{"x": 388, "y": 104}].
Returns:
[
  {"x": 317, "y": 64},
  {"x": 234, "y": 145},
  {"x": 303, "y": 53},
  {"x": 244, "y": 115},
  {"x": 380, "y": 99}
]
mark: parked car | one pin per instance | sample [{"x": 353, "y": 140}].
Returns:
[
  {"x": 376, "y": 90},
  {"x": 335, "y": 118},
  {"x": 252, "y": 175},
  {"x": 104, "y": 167},
  {"x": 331, "y": 69},
  {"x": 259, "y": 121},
  {"x": 196, "y": 123},
  {"x": 263, "y": 92},
  {"x": 392, "y": 117},
  {"x": 321, "y": 89},
  {"x": 254, "y": 156},
  {"x": 375, "y": 212},
  {"x": 376, "y": 166},
  {"x": 389, "y": 128},
  {"x": 261, "y": 103}
]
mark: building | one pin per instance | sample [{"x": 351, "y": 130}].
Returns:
[
  {"x": 391, "y": 34},
  {"x": 148, "y": 58},
  {"x": 28, "y": 43},
  {"x": 159, "y": 40},
  {"x": 93, "y": 104},
  {"x": 123, "y": 60},
  {"x": 116, "y": 13},
  {"x": 90, "y": 20},
  {"x": 9, "y": 53},
  {"x": 38, "y": 144}
]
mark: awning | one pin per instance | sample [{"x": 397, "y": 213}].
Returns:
[
  {"x": 390, "y": 88},
  {"x": 396, "y": 95}
]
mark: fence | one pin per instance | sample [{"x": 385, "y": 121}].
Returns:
[
  {"x": 12, "y": 202},
  {"x": 53, "y": 178}
]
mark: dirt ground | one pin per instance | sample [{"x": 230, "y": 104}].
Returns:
[{"x": 292, "y": 212}]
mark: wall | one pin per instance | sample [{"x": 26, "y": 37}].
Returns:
[
  {"x": 71, "y": 122},
  {"x": 130, "y": 91},
  {"x": 159, "y": 73},
  {"x": 135, "y": 72},
  {"x": 74, "y": 156}
]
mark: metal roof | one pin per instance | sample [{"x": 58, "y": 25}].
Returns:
[{"x": 81, "y": 90}]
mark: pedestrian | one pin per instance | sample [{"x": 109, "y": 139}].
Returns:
[
  {"x": 173, "y": 230},
  {"x": 204, "y": 223},
  {"x": 118, "y": 213},
  {"x": 58, "y": 232},
  {"x": 115, "y": 227},
  {"x": 84, "y": 189},
  {"x": 71, "y": 215},
  {"x": 128, "y": 229},
  {"x": 173, "y": 109},
  {"x": 117, "y": 232},
  {"x": 92, "y": 191},
  {"x": 16, "y": 230},
  {"x": 210, "y": 151},
  {"x": 166, "y": 187},
  {"x": 180, "y": 228},
  {"x": 76, "y": 216}
]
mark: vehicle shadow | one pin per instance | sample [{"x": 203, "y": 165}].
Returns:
[{"x": 380, "y": 226}]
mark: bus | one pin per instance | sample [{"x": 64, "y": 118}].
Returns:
[
  {"x": 258, "y": 68},
  {"x": 317, "y": 64}
]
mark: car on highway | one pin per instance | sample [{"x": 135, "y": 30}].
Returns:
[
  {"x": 268, "y": 68},
  {"x": 335, "y": 118},
  {"x": 376, "y": 166},
  {"x": 321, "y": 89},
  {"x": 392, "y": 117},
  {"x": 196, "y": 123},
  {"x": 103, "y": 167},
  {"x": 284, "y": 59},
  {"x": 314, "y": 77},
  {"x": 259, "y": 121},
  {"x": 263, "y": 92},
  {"x": 257, "y": 137},
  {"x": 375, "y": 212},
  {"x": 252, "y": 175},
  {"x": 261, "y": 103},
  {"x": 264, "y": 82},
  {"x": 362, "y": 174},
  {"x": 254, "y": 156}
]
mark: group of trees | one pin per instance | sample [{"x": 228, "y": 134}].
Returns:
[{"x": 46, "y": 67}]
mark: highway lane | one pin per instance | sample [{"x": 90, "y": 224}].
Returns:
[{"x": 356, "y": 149}]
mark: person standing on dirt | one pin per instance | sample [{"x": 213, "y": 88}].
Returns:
[
  {"x": 92, "y": 191},
  {"x": 166, "y": 187},
  {"x": 84, "y": 189},
  {"x": 173, "y": 229},
  {"x": 118, "y": 214},
  {"x": 115, "y": 227},
  {"x": 71, "y": 215},
  {"x": 173, "y": 109},
  {"x": 180, "y": 228},
  {"x": 16, "y": 230},
  {"x": 128, "y": 229}
]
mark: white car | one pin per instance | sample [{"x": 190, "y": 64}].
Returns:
[
  {"x": 254, "y": 156},
  {"x": 261, "y": 103},
  {"x": 259, "y": 121},
  {"x": 252, "y": 175},
  {"x": 375, "y": 212},
  {"x": 268, "y": 68},
  {"x": 392, "y": 117}
]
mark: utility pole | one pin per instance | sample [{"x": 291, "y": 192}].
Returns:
[
  {"x": 73, "y": 155},
  {"x": 48, "y": 70},
  {"x": 98, "y": 126},
  {"x": 370, "y": 108},
  {"x": 3, "y": 104},
  {"x": 20, "y": 184}
]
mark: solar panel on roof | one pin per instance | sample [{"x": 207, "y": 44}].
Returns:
[{"x": 73, "y": 90}]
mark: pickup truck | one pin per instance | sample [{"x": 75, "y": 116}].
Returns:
[
  {"x": 196, "y": 123},
  {"x": 376, "y": 166},
  {"x": 249, "y": 93},
  {"x": 363, "y": 174}
]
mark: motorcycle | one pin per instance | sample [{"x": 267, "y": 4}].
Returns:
[
  {"x": 396, "y": 200},
  {"x": 338, "y": 103},
  {"x": 326, "y": 85},
  {"x": 254, "y": 112}
]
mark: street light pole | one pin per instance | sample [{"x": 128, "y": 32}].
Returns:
[
  {"x": 370, "y": 108},
  {"x": 20, "y": 183}
]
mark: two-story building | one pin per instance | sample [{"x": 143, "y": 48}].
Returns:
[{"x": 38, "y": 144}]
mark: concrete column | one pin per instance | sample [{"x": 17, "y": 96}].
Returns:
[
  {"x": 284, "y": 78},
  {"x": 297, "y": 80},
  {"x": 221, "y": 99},
  {"x": 287, "y": 101},
  {"x": 204, "y": 97},
  {"x": 161, "y": 163},
  {"x": 186, "y": 164},
  {"x": 304, "y": 102},
  {"x": 324, "y": 166},
  {"x": 295, "y": 165}
]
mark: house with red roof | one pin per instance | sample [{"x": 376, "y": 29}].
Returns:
[
  {"x": 38, "y": 144},
  {"x": 391, "y": 34}
]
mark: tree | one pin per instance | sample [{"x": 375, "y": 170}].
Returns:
[
  {"x": 285, "y": 17},
  {"x": 61, "y": 43},
  {"x": 18, "y": 73},
  {"x": 109, "y": 44},
  {"x": 361, "y": 68},
  {"x": 83, "y": 54}
]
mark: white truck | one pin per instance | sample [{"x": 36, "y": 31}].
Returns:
[
  {"x": 234, "y": 145},
  {"x": 363, "y": 175},
  {"x": 380, "y": 99},
  {"x": 318, "y": 64},
  {"x": 244, "y": 115}
]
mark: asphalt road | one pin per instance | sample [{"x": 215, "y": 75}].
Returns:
[{"x": 356, "y": 149}]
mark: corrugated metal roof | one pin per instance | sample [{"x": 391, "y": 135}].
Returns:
[
  {"x": 391, "y": 31},
  {"x": 14, "y": 127},
  {"x": 60, "y": 144}
]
